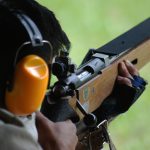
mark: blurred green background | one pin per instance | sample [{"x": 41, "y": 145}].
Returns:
[{"x": 90, "y": 24}]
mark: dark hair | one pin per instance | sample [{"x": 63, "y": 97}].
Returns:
[{"x": 12, "y": 34}]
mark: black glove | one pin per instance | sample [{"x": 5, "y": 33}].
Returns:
[{"x": 121, "y": 99}]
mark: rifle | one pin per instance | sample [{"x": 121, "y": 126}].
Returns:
[{"x": 94, "y": 80}]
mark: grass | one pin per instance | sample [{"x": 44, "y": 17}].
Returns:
[{"x": 90, "y": 24}]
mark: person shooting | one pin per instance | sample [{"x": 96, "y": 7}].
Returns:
[{"x": 31, "y": 37}]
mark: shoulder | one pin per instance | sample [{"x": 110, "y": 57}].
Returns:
[{"x": 14, "y": 136}]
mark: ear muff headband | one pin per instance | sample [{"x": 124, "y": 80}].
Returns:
[
  {"x": 31, "y": 73},
  {"x": 36, "y": 39}
]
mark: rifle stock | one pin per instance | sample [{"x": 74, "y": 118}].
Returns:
[{"x": 93, "y": 92}]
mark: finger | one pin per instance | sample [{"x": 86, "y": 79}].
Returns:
[
  {"x": 68, "y": 121},
  {"x": 131, "y": 68},
  {"x": 71, "y": 124},
  {"x": 42, "y": 119},
  {"x": 124, "y": 80},
  {"x": 123, "y": 71}
]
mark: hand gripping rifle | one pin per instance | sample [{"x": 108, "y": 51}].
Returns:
[{"x": 90, "y": 84}]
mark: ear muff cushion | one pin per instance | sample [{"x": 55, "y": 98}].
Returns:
[{"x": 29, "y": 85}]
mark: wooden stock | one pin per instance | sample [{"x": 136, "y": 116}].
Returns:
[{"x": 93, "y": 93}]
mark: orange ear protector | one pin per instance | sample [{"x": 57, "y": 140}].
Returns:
[
  {"x": 31, "y": 73},
  {"x": 30, "y": 83}
]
